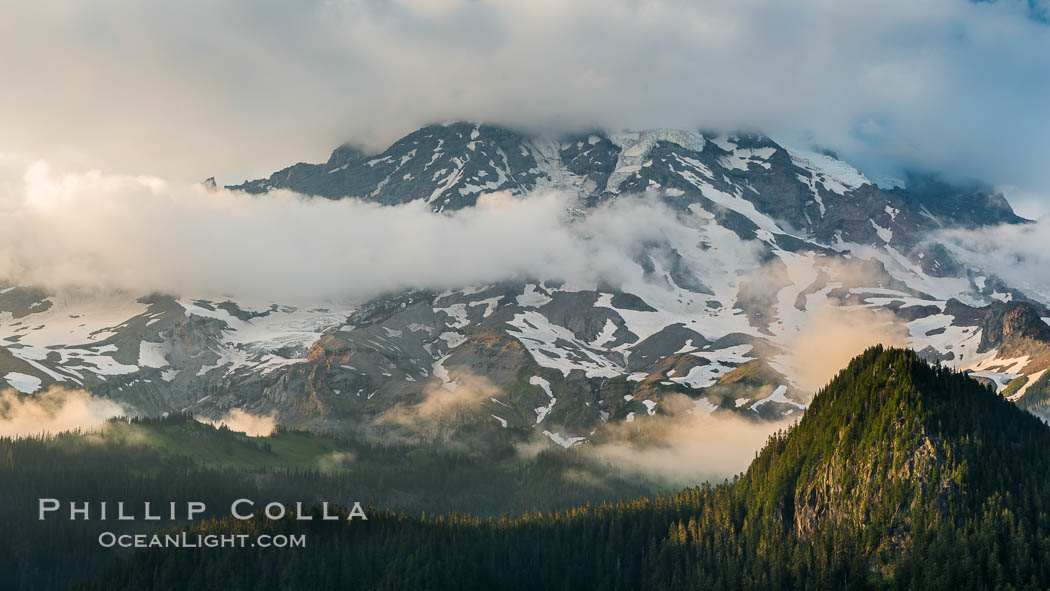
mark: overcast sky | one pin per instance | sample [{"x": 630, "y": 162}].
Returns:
[{"x": 238, "y": 88}]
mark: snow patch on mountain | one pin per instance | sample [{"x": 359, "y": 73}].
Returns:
[
  {"x": 531, "y": 297},
  {"x": 556, "y": 347},
  {"x": 543, "y": 411},
  {"x": 742, "y": 158},
  {"x": 152, "y": 354},
  {"x": 635, "y": 147},
  {"x": 563, "y": 440},
  {"x": 25, "y": 384},
  {"x": 834, "y": 174},
  {"x": 1035, "y": 377},
  {"x": 778, "y": 396}
]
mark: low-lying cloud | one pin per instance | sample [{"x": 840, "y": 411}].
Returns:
[
  {"x": 833, "y": 336},
  {"x": 142, "y": 234},
  {"x": 444, "y": 401},
  {"x": 241, "y": 421},
  {"x": 1018, "y": 254},
  {"x": 684, "y": 449},
  {"x": 442, "y": 408},
  {"x": 53, "y": 411}
]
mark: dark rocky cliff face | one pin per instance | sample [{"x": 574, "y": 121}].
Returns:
[{"x": 1014, "y": 326}]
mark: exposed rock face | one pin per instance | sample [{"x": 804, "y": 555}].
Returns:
[
  {"x": 1013, "y": 327},
  {"x": 828, "y": 495},
  {"x": 1014, "y": 342}
]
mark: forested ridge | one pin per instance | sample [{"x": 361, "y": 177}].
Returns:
[
  {"x": 175, "y": 458},
  {"x": 901, "y": 475}
]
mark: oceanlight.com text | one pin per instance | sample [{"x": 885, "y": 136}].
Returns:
[{"x": 187, "y": 540}]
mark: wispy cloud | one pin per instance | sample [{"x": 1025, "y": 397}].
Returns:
[
  {"x": 686, "y": 448},
  {"x": 53, "y": 411},
  {"x": 237, "y": 419},
  {"x": 1018, "y": 254}
]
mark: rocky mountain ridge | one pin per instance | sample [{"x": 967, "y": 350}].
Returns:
[
  {"x": 746, "y": 180},
  {"x": 697, "y": 321}
]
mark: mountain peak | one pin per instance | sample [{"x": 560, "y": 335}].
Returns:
[
  {"x": 749, "y": 182},
  {"x": 1012, "y": 325},
  {"x": 892, "y": 436}
]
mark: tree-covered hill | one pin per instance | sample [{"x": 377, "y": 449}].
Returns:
[{"x": 901, "y": 475}]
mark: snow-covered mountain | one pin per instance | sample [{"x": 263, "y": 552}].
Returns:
[
  {"x": 749, "y": 182},
  {"x": 699, "y": 326}
]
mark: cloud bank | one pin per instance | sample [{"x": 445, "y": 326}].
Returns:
[
  {"x": 142, "y": 234},
  {"x": 440, "y": 402},
  {"x": 53, "y": 411},
  {"x": 239, "y": 88},
  {"x": 1018, "y": 254},
  {"x": 832, "y": 336},
  {"x": 241, "y": 421},
  {"x": 684, "y": 449}
]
